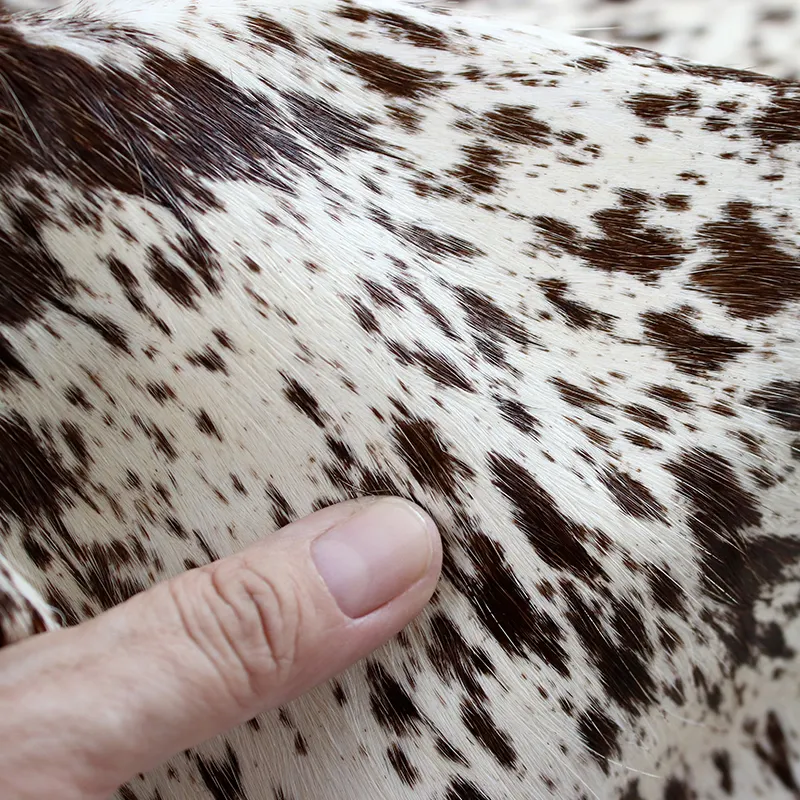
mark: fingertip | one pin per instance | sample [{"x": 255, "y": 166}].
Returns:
[{"x": 376, "y": 555}]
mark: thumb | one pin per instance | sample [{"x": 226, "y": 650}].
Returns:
[{"x": 208, "y": 650}]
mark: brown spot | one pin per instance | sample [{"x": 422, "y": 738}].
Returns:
[
  {"x": 667, "y": 592},
  {"x": 514, "y": 124},
  {"x": 209, "y": 359},
  {"x": 515, "y": 412},
  {"x": 779, "y": 756},
  {"x": 206, "y": 425},
  {"x": 671, "y": 396},
  {"x": 502, "y": 604},
  {"x": 34, "y": 483},
  {"x": 719, "y": 510},
  {"x": 303, "y": 400},
  {"x": 391, "y": 705},
  {"x": 647, "y": 416},
  {"x": 617, "y": 642},
  {"x": 416, "y": 33},
  {"x": 438, "y": 244},
  {"x": 484, "y": 316},
  {"x": 387, "y": 76},
  {"x": 640, "y": 440},
  {"x": 577, "y": 314},
  {"x": 365, "y": 317},
  {"x": 266, "y": 29},
  {"x": 753, "y": 274},
  {"x": 428, "y": 458},
  {"x": 592, "y": 63},
  {"x": 692, "y": 351},
  {"x": 556, "y": 538},
  {"x": 779, "y": 122},
  {"x": 401, "y": 764},
  {"x": 172, "y": 279},
  {"x": 655, "y": 108},
  {"x": 461, "y": 789},
  {"x": 434, "y": 365},
  {"x": 578, "y": 397},
  {"x": 781, "y": 400},
  {"x": 600, "y": 734},
  {"x": 627, "y": 243},
  {"x": 722, "y": 761},
  {"x": 453, "y": 658},
  {"x": 632, "y": 496},
  {"x": 479, "y": 172},
  {"x": 31, "y": 277},
  {"x": 484, "y": 730},
  {"x": 676, "y": 202},
  {"x": 11, "y": 366}
]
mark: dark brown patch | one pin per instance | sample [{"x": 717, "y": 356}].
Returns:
[
  {"x": 616, "y": 640},
  {"x": 31, "y": 277},
  {"x": 480, "y": 169},
  {"x": 754, "y": 274},
  {"x": 671, "y": 396},
  {"x": 632, "y": 496},
  {"x": 515, "y": 412},
  {"x": 779, "y": 756},
  {"x": 391, "y": 705},
  {"x": 720, "y": 509},
  {"x": 411, "y": 31},
  {"x": 722, "y": 761},
  {"x": 516, "y": 125},
  {"x": 206, "y": 425},
  {"x": 484, "y": 316},
  {"x": 11, "y": 366},
  {"x": 209, "y": 359},
  {"x": 592, "y": 63},
  {"x": 387, "y": 76},
  {"x": 437, "y": 244},
  {"x": 781, "y": 400},
  {"x": 655, "y": 108},
  {"x": 34, "y": 483},
  {"x": 401, "y": 764},
  {"x": 577, "y": 314},
  {"x": 428, "y": 458},
  {"x": 333, "y": 131},
  {"x": 502, "y": 604},
  {"x": 222, "y": 777},
  {"x": 303, "y": 400},
  {"x": 453, "y": 658},
  {"x": 627, "y": 243},
  {"x": 266, "y": 29},
  {"x": 556, "y": 539},
  {"x": 779, "y": 122},
  {"x": 692, "y": 351},
  {"x": 461, "y": 789},
  {"x": 578, "y": 397},
  {"x": 484, "y": 730},
  {"x": 647, "y": 416},
  {"x": 600, "y": 734},
  {"x": 676, "y": 202},
  {"x": 172, "y": 279},
  {"x": 434, "y": 365}
]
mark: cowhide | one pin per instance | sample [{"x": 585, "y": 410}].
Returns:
[{"x": 259, "y": 257}]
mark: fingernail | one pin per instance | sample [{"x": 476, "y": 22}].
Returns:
[{"x": 374, "y": 556}]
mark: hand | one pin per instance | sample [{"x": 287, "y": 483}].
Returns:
[{"x": 86, "y": 708}]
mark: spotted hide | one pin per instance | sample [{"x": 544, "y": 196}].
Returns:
[{"x": 260, "y": 257}]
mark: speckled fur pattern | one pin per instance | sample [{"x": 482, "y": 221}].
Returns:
[
  {"x": 258, "y": 258},
  {"x": 761, "y": 35}
]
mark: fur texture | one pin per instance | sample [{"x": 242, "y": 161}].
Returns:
[{"x": 257, "y": 258}]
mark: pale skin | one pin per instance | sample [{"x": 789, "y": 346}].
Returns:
[{"x": 210, "y": 649}]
